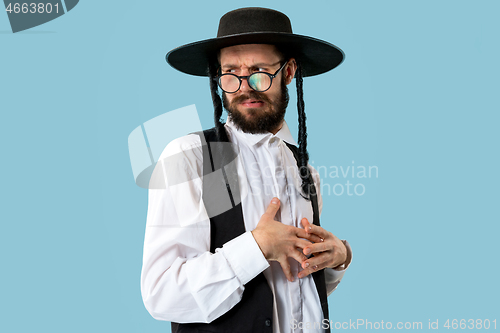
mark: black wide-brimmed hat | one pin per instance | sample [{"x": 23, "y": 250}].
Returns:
[{"x": 257, "y": 26}]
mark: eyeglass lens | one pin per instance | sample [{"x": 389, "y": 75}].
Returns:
[{"x": 257, "y": 81}]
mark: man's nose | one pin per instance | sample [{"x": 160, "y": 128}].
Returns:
[{"x": 244, "y": 87}]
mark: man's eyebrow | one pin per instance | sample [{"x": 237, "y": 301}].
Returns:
[
  {"x": 229, "y": 66},
  {"x": 263, "y": 64}
]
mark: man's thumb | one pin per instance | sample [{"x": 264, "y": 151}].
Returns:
[{"x": 273, "y": 207}]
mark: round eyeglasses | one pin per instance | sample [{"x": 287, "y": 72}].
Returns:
[{"x": 258, "y": 81}]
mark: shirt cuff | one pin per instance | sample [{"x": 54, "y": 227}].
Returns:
[
  {"x": 245, "y": 257},
  {"x": 348, "y": 260},
  {"x": 333, "y": 276}
]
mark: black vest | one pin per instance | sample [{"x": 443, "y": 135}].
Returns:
[{"x": 254, "y": 313}]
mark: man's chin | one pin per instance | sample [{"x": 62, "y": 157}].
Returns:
[
  {"x": 248, "y": 123},
  {"x": 251, "y": 114}
]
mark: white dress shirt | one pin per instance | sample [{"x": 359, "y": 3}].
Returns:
[{"x": 182, "y": 281}]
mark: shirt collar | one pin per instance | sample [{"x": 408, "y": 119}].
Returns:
[{"x": 253, "y": 139}]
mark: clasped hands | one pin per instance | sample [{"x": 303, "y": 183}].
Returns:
[{"x": 278, "y": 242}]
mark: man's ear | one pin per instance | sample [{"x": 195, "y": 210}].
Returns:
[{"x": 289, "y": 70}]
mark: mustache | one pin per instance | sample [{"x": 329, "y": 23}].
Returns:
[{"x": 251, "y": 95}]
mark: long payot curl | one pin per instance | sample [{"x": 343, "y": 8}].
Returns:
[
  {"x": 217, "y": 102},
  {"x": 303, "y": 155}
]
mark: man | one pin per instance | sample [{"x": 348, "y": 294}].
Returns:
[{"x": 260, "y": 264}]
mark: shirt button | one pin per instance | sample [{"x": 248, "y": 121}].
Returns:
[{"x": 268, "y": 322}]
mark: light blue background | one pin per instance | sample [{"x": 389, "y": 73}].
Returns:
[{"x": 417, "y": 96}]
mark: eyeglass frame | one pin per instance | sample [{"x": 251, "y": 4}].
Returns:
[{"x": 271, "y": 76}]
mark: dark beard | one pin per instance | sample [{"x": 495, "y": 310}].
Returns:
[{"x": 265, "y": 123}]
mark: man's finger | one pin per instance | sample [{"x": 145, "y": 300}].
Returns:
[
  {"x": 314, "y": 229},
  {"x": 316, "y": 261},
  {"x": 316, "y": 248},
  {"x": 302, "y": 243},
  {"x": 298, "y": 256},
  {"x": 285, "y": 266},
  {"x": 314, "y": 238},
  {"x": 309, "y": 270},
  {"x": 301, "y": 233},
  {"x": 273, "y": 207},
  {"x": 308, "y": 229},
  {"x": 306, "y": 224}
]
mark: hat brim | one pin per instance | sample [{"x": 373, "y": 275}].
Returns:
[{"x": 316, "y": 56}]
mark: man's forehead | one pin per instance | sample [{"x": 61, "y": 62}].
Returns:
[{"x": 249, "y": 53}]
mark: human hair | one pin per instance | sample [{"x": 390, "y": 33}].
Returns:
[
  {"x": 304, "y": 171},
  {"x": 216, "y": 100}
]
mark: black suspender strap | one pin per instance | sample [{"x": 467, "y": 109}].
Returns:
[{"x": 319, "y": 276}]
